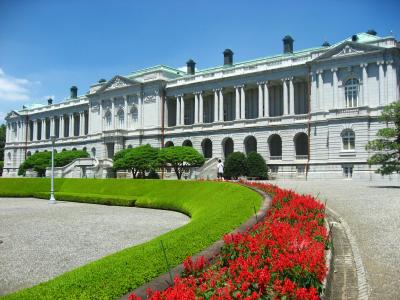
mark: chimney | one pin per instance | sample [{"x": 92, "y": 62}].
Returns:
[
  {"x": 49, "y": 101},
  {"x": 102, "y": 80},
  {"x": 228, "y": 57},
  {"x": 326, "y": 44},
  {"x": 190, "y": 64},
  {"x": 287, "y": 44},
  {"x": 372, "y": 32},
  {"x": 354, "y": 38},
  {"x": 74, "y": 92}
]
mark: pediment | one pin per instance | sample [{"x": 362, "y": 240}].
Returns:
[
  {"x": 116, "y": 82},
  {"x": 11, "y": 115},
  {"x": 348, "y": 49}
]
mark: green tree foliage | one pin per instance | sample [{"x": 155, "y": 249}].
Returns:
[
  {"x": 66, "y": 157},
  {"x": 37, "y": 162},
  {"x": 256, "y": 166},
  {"x": 387, "y": 145},
  {"x": 42, "y": 160},
  {"x": 235, "y": 165},
  {"x": 2, "y": 140},
  {"x": 1, "y": 167},
  {"x": 138, "y": 160},
  {"x": 180, "y": 158}
]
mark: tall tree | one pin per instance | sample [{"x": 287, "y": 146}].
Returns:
[
  {"x": 387, "y": 145},
  {"x": 138, "y": 160},
  {"x": 2, "y": 140},
  {"x": 180, "y": 158}
]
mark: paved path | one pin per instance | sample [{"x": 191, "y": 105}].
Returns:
[
  {"x": 40, "y": 241},
  {"x": 372, "y": 212}
]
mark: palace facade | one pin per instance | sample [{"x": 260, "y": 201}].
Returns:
[{"x": 306, "y": 112}]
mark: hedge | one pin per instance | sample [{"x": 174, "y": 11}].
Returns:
[{"x": 215, "y": 209}]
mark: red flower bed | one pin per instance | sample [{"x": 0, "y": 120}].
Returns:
[{"x": 282, "y": 256}]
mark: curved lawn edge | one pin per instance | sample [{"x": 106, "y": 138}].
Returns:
[
  {"x": 163, "y": 281},
  {"x": 215, "y": 209}
]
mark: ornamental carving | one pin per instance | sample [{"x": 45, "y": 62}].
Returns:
[
  {"x": 117, "y": 83},
  {"x": 149, "y": 99},
  {"x": 347, "y": 50}
]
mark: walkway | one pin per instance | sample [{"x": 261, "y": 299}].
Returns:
[
  {"x": 40, "y": 241},
  {"x": 372, "y": 212}
]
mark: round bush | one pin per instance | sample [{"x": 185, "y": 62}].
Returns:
[
  {"x": 235, "y": 165},
  {"x": 256, "y": 166}
]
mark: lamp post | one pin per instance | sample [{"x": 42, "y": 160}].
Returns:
[{"x": 52, "y": 199}]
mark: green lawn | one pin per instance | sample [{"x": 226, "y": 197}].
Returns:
[{"x": 215, "y": 208}]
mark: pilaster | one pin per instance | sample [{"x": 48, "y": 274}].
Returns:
[
  {"x": 291, "y": 96},
  {"x": 242, "y": 103},
  {"x": 237, "y": 102},
  {"x": 266, "y": 99},
  {"x": 260, "y": 99},
  {"x": 285, "y": 97},
  {"x": 221, "y": 105},
  {"x": 335, "y": 94}
]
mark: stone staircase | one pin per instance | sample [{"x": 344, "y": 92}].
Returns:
[{"x": 206, "y": 171}]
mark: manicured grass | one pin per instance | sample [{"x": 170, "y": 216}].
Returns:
[{"x": 215, "y": 208}]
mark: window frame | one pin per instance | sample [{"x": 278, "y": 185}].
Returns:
[
  {"x": 348, "y": 140},
  {"x": 352, "y": 92}
]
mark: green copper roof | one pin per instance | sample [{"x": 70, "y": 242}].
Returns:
[{"x": 155, "y": 69}]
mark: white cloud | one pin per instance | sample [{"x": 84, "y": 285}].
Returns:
[{"x": 13, "y": 89}]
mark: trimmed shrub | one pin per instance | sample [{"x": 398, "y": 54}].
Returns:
[
  {"x": 38, "y": 162},
  {"x": 256, "y": 166},
  {"x": 235, "y": 165},
  {"x": 66, "y": 157}
]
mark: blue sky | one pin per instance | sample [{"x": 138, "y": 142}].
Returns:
[{"x": 46, "y": 46}]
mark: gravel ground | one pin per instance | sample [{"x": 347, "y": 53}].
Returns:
[
  {"x": 40, "y": 241},
  {"x": 372, "y": 212}
]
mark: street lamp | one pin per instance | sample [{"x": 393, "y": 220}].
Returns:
[{"x": 52, "y": 199}]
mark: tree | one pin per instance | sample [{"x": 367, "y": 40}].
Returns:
[
  {"x": 1, "y": 167},
  {"x": 387, "y": 145},
  {"x": 42, "y": 160},
  {"x": 138, "y": 160},
  {"x": 66, "y": 157},
  {"x": 38, "y": 162},
  {"x": 256, "y": 166},
  {"x": 235, "y": 165},
  {"x": 180, "y": 158},
  {"x": 2, "y": 140}
]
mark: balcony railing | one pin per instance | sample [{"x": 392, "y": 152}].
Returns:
[
  {"x": 301, "y": 157},
  {"x": 275, "y": 157}
]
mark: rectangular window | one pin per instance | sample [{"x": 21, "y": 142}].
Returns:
[{"x": 348, "y": 171}]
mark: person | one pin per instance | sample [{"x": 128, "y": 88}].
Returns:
[{"x": 220, "y": 168}]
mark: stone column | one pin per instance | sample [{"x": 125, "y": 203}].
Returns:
[
  {"x": 266, "y": 99},
  {"x": 260, "y": 99},
  {"x": 391, "y": 82},
  {"x": 112, "y": 113},
  {"x": 335, "y": 94},
  {"x": 81, "y": 123},
  {"x": 182, "y": 110},
  {"x": 140, "y": 112},
  {"x": 364, "y": 98},
  {"x": 34, "y": 130},
  {"x": 381, "y": 83},
  {"x": 178, "y": 110},
  {"x": 201, "y": 107},
  {"x": 285, "y": 97},
  {"x": 314, "y": 96},
  {"x": 216, "y": 112},
  {"x": 196, "y": 108},
  {"x": 126, "y": 112},
  {"x": 291, "y": 96},
  {"x": 43, "y": 129},
  {"x": 221, "y": 105},
  {"x": 320, "y": 89},
  {"x": 52, "y": 127},
  {"x": 237, "y": 103},
  {"x": 61, "y": 126},
  {"x": 71, "y": 125},
  {"x": 242, "y": 103}
]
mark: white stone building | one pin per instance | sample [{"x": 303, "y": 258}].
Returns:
[{"x": 309, "y": 111}]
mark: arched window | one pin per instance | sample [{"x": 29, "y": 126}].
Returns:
[
  {"x": 206, "y": 146},
  {"x": 227, "y": 146},
  {"x": 275, "y": 147},
  {"x": 250, "y": 144},
  {"x": 129, "y": 146},
  {"x": 134, "y": 115},
  {"x": 348, "y": 139},
  {"x": 121, "y": 119},
  {"x": 187, "y": 143},
  {"x": 28, "y": 153},
  {"x": 301, "y": 145},
  {"x": 84, "y": 149},
  {"x": 108, "y": 118},
  {"x": 93, "y": 152},
  {"x": 351, "y": 90},
  {"x": 169, "y": 144}
]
